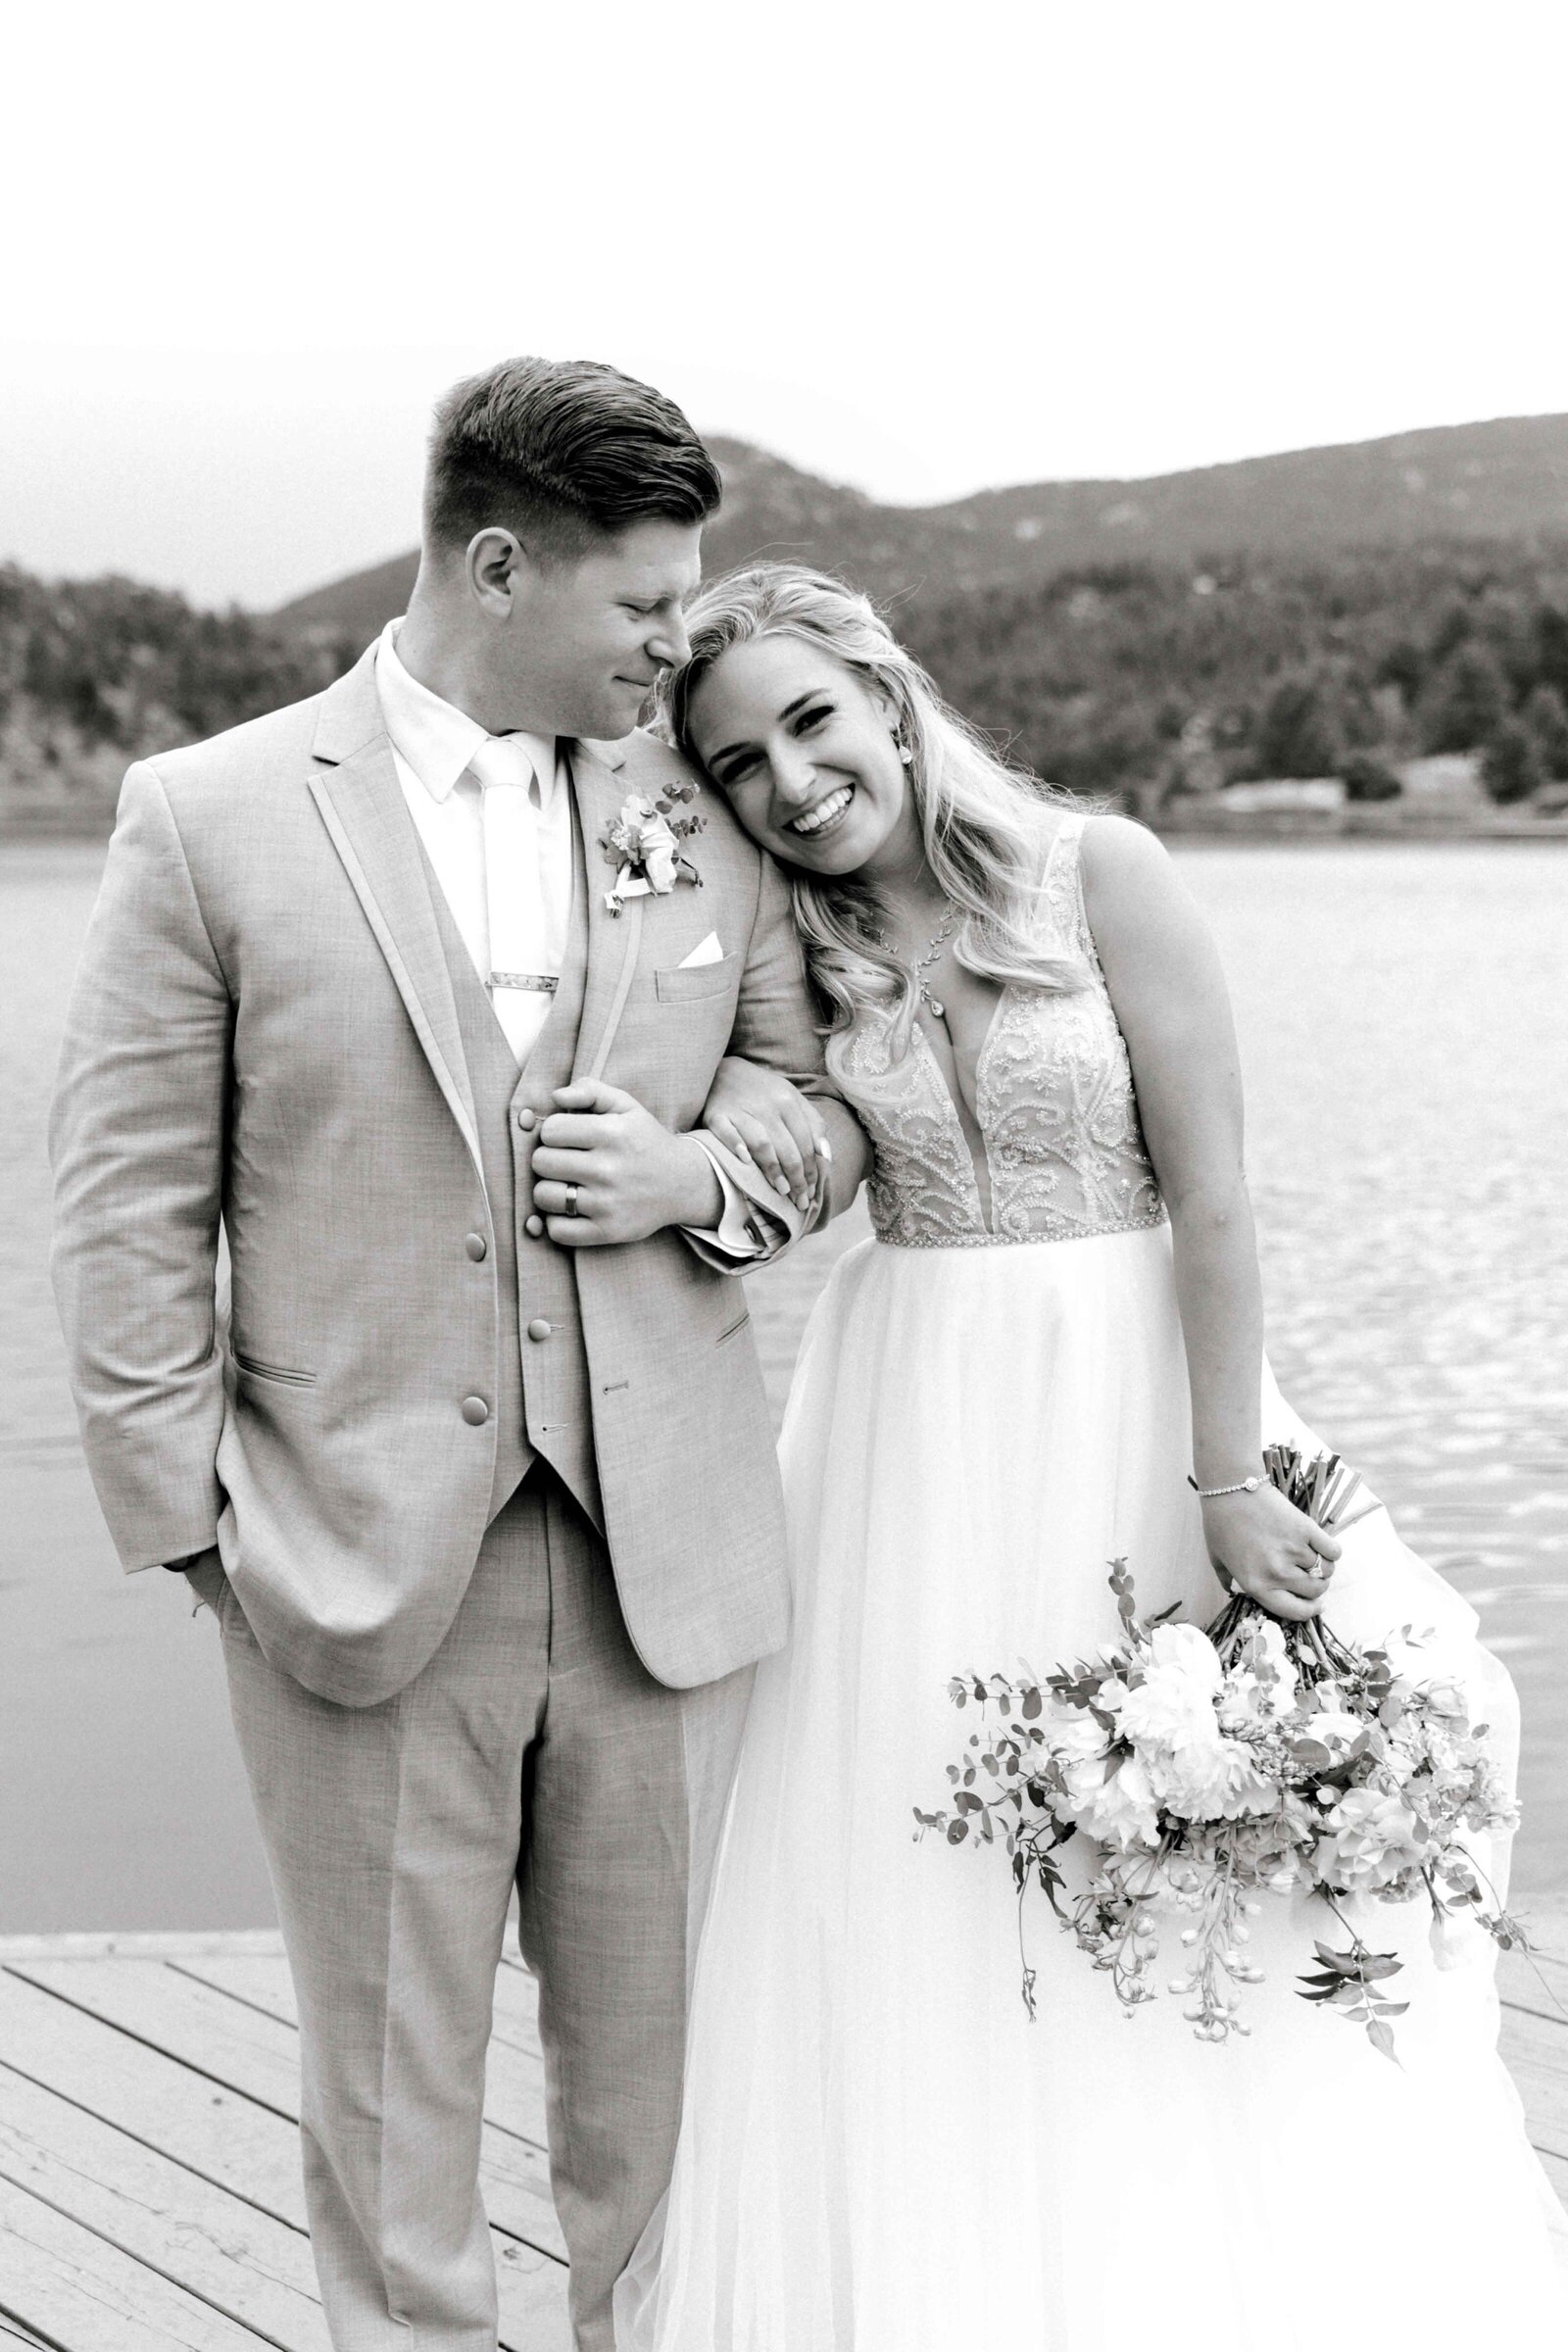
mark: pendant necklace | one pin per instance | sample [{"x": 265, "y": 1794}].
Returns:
[{"x": 918, "y": 971}]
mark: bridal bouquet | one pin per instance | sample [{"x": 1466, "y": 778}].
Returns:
[{"x": 1210, "y": 1768}]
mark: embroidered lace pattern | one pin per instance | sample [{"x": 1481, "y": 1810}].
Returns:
[{"x": 1055, "y": 1106}]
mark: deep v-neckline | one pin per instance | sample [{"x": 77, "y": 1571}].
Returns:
[
  {"x": 953, "y": 1103},
  {"x": 957, "y": 1109}
]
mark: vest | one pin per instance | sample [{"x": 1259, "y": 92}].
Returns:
[{"x": 541, "y": 1401}]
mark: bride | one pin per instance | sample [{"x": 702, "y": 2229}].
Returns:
[{"x": 1057, "y": 1327}]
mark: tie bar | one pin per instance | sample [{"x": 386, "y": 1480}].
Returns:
[{"x": 543, "y": 984}]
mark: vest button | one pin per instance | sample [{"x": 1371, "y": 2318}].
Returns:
[
  {"x": 475, "y": 1411},
  {"x": 533, "y": 1227},
  {"x": 527, "y": 1119},
  {"x": 539, "y": 1329},
  {"x": 477, "y": 1247}
]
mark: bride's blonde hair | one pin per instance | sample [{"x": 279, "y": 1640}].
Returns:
[{"x": 984, "y": 825}]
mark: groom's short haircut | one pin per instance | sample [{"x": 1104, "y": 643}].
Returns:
[{"x": 563, "y": 452}]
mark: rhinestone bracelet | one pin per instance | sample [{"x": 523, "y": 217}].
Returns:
[{"x": 1242, "y": 1486}]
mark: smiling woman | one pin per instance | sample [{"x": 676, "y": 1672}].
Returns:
[
  {"x": 1050, "y": 1357},
  {"x": 840, "y": 755}
]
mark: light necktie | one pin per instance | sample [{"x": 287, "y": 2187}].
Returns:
[{"x": 520, "y": 981}]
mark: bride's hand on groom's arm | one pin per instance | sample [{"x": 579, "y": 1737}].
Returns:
[
  {"x": 633, "y": 1176},
  {"x": 757, "y": 1115}
]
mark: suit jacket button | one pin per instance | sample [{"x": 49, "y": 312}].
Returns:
[
  {"x": 527, "y": 1119},
  {"x": 475, "y": 1411},
  {"x": 477, "y": 1247},
  {"x": 539, "y": 1329},
  {"x": 533, "y": 1227}
]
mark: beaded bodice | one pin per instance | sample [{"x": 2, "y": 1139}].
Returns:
[{"x": 1058, "y": 1118}]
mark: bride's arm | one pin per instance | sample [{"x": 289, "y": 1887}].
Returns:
[{"x": 1170, "y": 998}]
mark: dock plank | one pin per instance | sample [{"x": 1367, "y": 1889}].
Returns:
[
  {"x": 1535, "y": 1982},
  {"x": 150, "y": 2194},
  {"x": 86, "y": 2295},
  {"x": 267, "y": 1985},
  {"x": 227, "y": 2041},
  {"x": 255, "y": 2269},
  {"x": 213, "y": 2125},
  {"x": 1536, "y": 2053},
  {"x": 167, "y": 2117},
  {"x": 218, "y": 2134},
  {"x": 234, "y": 2042},
  {"x": 12, "y": 2333}
]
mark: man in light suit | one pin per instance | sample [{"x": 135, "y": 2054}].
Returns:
[{"x": 478, "y": 1480}]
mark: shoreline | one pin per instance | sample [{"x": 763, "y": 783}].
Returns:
[{"x": 1371, "y": 822}]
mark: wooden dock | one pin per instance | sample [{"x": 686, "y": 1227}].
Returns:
[{"x": 150, "y": 2196}]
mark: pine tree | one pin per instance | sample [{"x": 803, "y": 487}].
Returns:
[
  {"x": 1546, "y": 714},
  {"x": 1296, "y": 736},
  {"x": 1552, "y": 647},
  {"x": 1465, "y": 703},
  {"x": 1511, "y": 764}
]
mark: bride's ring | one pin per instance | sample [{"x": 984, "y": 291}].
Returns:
[
  {"x": 1318, "y": 1570},
  {"x": 568, "y": 1207}
]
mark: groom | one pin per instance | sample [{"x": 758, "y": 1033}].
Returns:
[{"x": 478, "y": 1479}]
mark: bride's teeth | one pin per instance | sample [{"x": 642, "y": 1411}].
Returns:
[{"x": 815, "y": 818}]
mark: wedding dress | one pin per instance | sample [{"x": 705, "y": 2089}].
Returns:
[{"x": 879, "y": 2151}]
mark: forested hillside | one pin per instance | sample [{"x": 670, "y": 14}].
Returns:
[
  {"x": 1113, "y": 675},
  {"x": 93, "y": 672},
  {"x": 1131, "y": 677}
]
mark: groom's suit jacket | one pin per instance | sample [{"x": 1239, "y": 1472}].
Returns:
[{"x": 267, "y": 1031}]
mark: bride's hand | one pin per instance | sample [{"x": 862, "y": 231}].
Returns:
[
  {"x": 757, "y": 1115},
  {"x": 1277, "y": 1555}
]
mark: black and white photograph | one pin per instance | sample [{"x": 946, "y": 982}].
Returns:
[{"x": 784, "y": 1179}]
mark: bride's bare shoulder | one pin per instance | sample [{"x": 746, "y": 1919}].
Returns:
[{"x": 1121, "y": 860}]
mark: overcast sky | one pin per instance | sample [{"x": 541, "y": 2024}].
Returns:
[{"x": 921, "y": 249}]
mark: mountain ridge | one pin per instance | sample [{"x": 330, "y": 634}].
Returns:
[{"x": 1502, "y": 478}]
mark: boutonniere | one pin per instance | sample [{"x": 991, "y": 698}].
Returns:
[{"x": 644, "y": 845}]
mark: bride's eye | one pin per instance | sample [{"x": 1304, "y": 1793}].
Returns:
[{"x": 813, "y": 718}]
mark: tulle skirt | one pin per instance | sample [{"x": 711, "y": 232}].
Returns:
[{"x": 880, "y": 2152}]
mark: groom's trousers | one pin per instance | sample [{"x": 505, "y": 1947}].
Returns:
[{"x": 533, "y": 1746}]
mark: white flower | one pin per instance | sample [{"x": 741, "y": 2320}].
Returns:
[
  {"x": 1074, "y": 1735},
  {"x": 1213, "y": 1781},
  {"x": 1260, "y": 1687},
  {"x": 1373, "y": 1840},
  {"x": 645, "y": 848},
  {"x": 1174, "y": 1703},
  {"x": 1448, "y": 1698},
  {"x": 1120, "y": 1811}
]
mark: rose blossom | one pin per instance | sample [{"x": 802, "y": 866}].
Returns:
[{"x": 1374, "y": 1838}]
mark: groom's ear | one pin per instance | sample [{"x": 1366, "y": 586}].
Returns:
[{"x": 498, "y": 569}]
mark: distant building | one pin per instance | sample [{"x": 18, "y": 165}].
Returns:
[
  {"x": 1444, "y": 784},
  {"x": 1286, "y": 796}
]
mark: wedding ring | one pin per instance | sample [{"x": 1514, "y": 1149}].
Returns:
[{"x": 570, "y": 1206}]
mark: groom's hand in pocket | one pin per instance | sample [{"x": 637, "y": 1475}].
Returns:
[{"x": 633, "y": 1176}]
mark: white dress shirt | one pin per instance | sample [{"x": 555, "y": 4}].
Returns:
[{"x": 433, "y": 746}]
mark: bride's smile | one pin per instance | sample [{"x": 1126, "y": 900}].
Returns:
[{"x": 807, "y": 758}]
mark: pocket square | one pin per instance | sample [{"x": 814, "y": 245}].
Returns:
[{"x": 707, "y": 950}]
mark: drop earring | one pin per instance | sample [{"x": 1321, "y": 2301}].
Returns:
[{"x": 906, "y": 755}]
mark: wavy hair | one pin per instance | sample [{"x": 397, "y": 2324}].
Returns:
[{"x": 985, "y": 825}]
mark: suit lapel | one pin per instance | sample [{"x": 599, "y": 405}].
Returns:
[
  {"x": 613, "y": 939},
  {"x": 368, "y": 820}
]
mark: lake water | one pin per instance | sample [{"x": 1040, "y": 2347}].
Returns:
[{"x": 1404, "y": 1030}]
